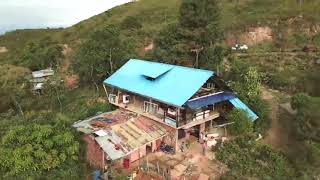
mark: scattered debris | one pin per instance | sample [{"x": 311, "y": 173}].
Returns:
[
  {"x": 309, "y": 48},
  {"x": 240, "y": 47}
]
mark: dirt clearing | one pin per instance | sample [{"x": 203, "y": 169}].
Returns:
[
  {"x": 277, "y": 136},
  {"x": 3, "y": 49}
]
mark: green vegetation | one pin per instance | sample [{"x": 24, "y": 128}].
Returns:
[
  {"x": 42, "y": 54},
  {"x": 131, "y": 22},
  {"x": 242, "y": 124},
  {"x": 100, "y": 55},
  {"x": 246, "y": 81},
  {"x": 248, "y": 159},
  {"x": 37, "y": 148},
  {"x": 197, "y": 31},
  {"x": 12, "y": 86},
  {"x": 306, "y": 130}
]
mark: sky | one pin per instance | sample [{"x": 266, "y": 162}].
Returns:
[{"x": 26, "y": 14}]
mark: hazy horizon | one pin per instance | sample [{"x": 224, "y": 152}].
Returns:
[{"x": 22, "y": 14}]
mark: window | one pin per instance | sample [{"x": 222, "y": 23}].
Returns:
[
  {"x": 210, "y": 85},
  {"x": 112, "y": 98},
  {"x": 150, "y": 107}
]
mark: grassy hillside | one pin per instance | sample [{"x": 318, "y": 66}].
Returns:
[{"x": 236, "y": 15}]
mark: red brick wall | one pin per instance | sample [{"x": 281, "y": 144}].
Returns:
[{"x": 94, "y": 152}]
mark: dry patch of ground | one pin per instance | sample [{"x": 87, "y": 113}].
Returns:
[
  {"x": 254, "y": 35},
  {"x": 277, "y": 136},
  {"x": 71, "y": 81},
  {"x": 3, "y": 49},
  {"x": 189, "y": 165}
]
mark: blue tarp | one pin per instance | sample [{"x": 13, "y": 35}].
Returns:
[
  {"x": 211, "y": 99},
  {"x": 236, "y": 102},
  {"x": 172, "y": 84}
]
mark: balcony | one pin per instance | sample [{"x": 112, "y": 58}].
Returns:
[
  {"x": 139, "y": 108},
  {"x": 196, "y": 120}
]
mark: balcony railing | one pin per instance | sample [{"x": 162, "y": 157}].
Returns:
[{"x": 196, "y": 120}]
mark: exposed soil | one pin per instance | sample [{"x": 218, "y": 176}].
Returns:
[
  {"x": 253, "y": 36},
  {"x": 147, "y": 48},
  {"x": 70, "y": 80},
  {"x": 277, "y": 135},
  {"x": 3, "y": 49}
]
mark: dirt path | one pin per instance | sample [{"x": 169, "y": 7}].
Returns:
[
  {"x": 66, "y": 60},
  {"x": 3, "y": 49},
  {"x": 275, "y": 133}
]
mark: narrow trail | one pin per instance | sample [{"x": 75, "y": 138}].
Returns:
[
  {"x": 66, "y": 60},
  {"x": 275, "y": 134}
]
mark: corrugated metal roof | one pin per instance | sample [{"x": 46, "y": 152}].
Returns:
[
  {"x": 42, "y": 73},
  {"x": 172, "y": 84},
  {"x": 236, "y": 102},
  {"x": 210, "y": 99},
  {"x": 122, "y": 135}
]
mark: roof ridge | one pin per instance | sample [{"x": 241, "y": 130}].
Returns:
[{"x": 155, "y": 62}]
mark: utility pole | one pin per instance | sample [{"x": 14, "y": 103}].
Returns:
[{"x": 197, "y": 51}]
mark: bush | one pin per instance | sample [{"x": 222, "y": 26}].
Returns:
[
  {"x": 279, "y": 81},
  {"x": 36, "y": 149},
  {"x": 101, "y": 107},
  {"x": 242, "y": 124},
  {"x": 250, "y": 160},
  {"x": 131, "y": 22}
]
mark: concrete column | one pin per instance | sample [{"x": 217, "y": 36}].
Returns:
[
  {"x": 202, "y": 127},
  {"x": 176, "y": 138},
  {"x": 187, "y": 131}
]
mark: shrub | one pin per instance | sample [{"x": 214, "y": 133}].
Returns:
[
  {"x": 242, "y": 124},
  {"x": 250, "y": 160},
  {"x": 131, "y": 22},
  {"x": 101, "y": 107}
]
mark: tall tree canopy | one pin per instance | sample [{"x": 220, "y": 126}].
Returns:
[
  {"x": 41, "y": 54},
  {"x": 307, "y": 130},
  {"x": 241, "y": 123},
  {"x": 101, "y": 54},
  {"x": 195, "y": 35},
  {"x": 248, "y": 159},
  {"x": 36, "y": 149},
  {"x": 12, "y": 85}
]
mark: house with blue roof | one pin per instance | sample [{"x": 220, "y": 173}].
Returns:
[{"x": 183, "y": 98}]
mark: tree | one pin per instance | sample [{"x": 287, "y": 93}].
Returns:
[
  {"x": 41, "y": 54},
  {"x": 246, "y": 81},
  {"x": 198, "y": 29},
  {"x": 35, "y": 149},
  {"x": 12, "y": 83},
  {"x": 308, "y": 115},
  {"x": 242, "y": 123},
  {"x": 54, "y": 88},
  {"x": 131, "y": 22},
  {"x": 307, "y": 131},
  {"x": 200, "y": 19},
  {"x": 100, "y": 55},
  {"x": 247, "y": 159}
]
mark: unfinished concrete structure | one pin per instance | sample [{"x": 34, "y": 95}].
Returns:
[{"x": 187, "y": 100}]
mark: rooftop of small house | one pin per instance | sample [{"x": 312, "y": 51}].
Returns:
[
  {"x": 42, "y": 73},
  {"x": 121, "y": 132}
]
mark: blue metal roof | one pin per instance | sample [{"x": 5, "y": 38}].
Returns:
[
  {"x": 170, "y": 83},
  {"x": 210, "y": 99},
  {"x": 236, "y": 102}
]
